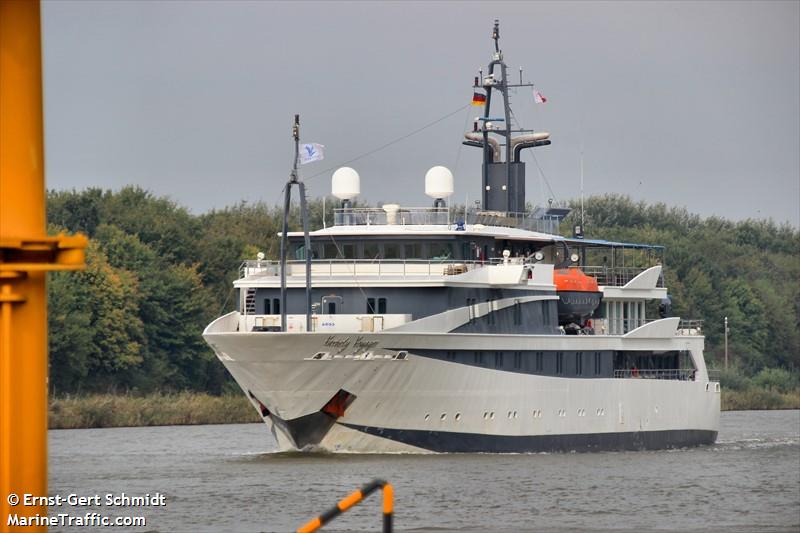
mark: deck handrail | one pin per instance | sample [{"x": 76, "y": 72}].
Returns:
[
  {"x": 352, "y": 500},
  {"x": 616, "y": 276},
  {"x": 678, "y": 374}
]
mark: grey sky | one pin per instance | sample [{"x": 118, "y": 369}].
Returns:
[{"x": 693, "y": 104}]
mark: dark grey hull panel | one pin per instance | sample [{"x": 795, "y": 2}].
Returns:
[{"x": 452, "y": 442}]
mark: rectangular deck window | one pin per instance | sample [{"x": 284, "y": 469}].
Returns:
[
  {"x": 391, "y": 251},
  {"x": 381, "y": 306},
  {"x": 559, "y": 363},
  {"x": 579, "y": 363},
  {"x": 498, "y": 359},
  {"x": 597, "y": 363},
  {"x": 539, "y": 361},
  {"x": 276, "y": 306},
  {"x": 371, "y": 250},
  {"x": 517, "y": 359},
  {"x": 517, "y": 314},
  {"x": 267, "y": 306},
  {"x": 370, "y": 306},
  {"x": 330, "y": 251},
  {"x": 412, "y": 250}
]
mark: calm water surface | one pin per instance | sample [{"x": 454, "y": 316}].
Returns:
[{"x": 228, "y": 478}]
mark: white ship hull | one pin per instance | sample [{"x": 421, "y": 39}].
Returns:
[{"x": 423, "y": 404}]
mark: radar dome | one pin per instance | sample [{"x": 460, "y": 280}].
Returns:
[
  {"x": 439, "y": 182},
  {"x": 345, "y": 184}
]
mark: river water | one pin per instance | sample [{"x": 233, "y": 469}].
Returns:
[{"x": 228, "y": 478}]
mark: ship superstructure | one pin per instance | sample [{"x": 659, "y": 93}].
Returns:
[{"x": 473, "y": 330}]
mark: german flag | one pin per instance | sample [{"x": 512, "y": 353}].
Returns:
[{"x": 478, "y": 99}]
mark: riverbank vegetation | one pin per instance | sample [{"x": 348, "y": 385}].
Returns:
[
  {"x": 154, "y": 409},
  {"x": 131, "y": 323}
]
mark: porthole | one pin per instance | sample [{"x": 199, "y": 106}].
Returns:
[
  {"x": 443, "y": 417},
  {"x": 458, "y": 416},
  {"x": 428, "y": 416},
  {"x": 491, "y": 415},
  {"x": 515, "y": 414},
  {"x": 485, "y": 415},
  {"x": 509, "y": 414}
]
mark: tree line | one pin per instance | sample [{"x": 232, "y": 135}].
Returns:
[{"x": 157, "y": 275}]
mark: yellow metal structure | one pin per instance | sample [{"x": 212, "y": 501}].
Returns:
[{"x": 26, "y": 254}]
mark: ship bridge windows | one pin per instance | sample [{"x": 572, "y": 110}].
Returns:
[
  {"x": 272, "y": 306},
  {"x": 376, "y": 305}
]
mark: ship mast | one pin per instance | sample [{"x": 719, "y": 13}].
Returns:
[{"x": 503, "y": 182}]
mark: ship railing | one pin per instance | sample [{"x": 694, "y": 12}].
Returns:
[
  {"x": 527, "y": 221},
  {"x": 621, "y": 326},
  {"x": 675, "y": 374},
  {"x": 365, "y": 216},
  {"x": 690, "y": 327},
  {"x": 369, "y": 268},
  {"x": 616, "y": 276}
]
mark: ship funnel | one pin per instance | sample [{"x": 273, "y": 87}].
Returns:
[
  {"x": 345, "y": 185},
  {"x": 439, "y": 184}
]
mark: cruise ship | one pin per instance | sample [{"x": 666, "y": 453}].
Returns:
[{"x": 476, "y": 329}]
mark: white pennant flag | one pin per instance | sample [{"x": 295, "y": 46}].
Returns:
[{"x": 311, "y": 152}]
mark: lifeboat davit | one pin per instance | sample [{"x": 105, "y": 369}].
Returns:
[{"x": 578, "y": 295}]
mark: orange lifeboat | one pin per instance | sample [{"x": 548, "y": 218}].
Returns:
[{"x": 578, "y": 295}]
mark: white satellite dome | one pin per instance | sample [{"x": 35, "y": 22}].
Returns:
[
  {"x": 439, "y": 182},
  {"x": 345, "y": 183}
]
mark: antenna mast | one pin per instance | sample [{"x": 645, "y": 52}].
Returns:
[
  {"x": 503, "y": 182},
  {"x": 294, "y": 180}
]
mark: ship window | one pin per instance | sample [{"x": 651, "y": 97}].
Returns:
[
  {"x": 329, "y": 251},
  {"x": 276, "y": 306},
  {"x": 597, "y": 362},
  {"x": 498, "y": 359},
  {"x": 546, "y": 313},
  {"x": 382, "y": 306},
  {"x": 412, "y": 250},
  {"x": 266, "y": 306},
  {"x": 370, "y": 306},
  {"x": 349, "y": 251},
  {"x": 559, "y": 362},
  {"x": 451, "y": 356},
  {"x": 440, "y": 251},
  {"x": 517, "y": 359},
  {"x": 539, "y": 361},
  {"x": 579, "y": 363},
  {"x": 478, "y": 358},
  {"x": 371, "y": 250},
  {"x": 391, "y": 251},
  {"x": 490, "y": 316},
  {"x": 331, "y": 308},
  {"x": 517, "y": 314}
]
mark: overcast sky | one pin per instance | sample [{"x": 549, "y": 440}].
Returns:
[{"x": 692, "y": 104}]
